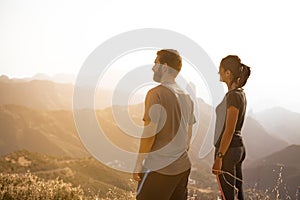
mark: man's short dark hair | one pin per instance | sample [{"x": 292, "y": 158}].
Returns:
[{"x": 171, "y": 57}]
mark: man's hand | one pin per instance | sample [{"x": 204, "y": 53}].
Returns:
[{"x": 136, "y": 177}]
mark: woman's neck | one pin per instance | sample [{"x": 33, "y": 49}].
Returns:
[{"x": 232, "y": 86}]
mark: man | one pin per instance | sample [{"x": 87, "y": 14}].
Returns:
[{"x": 163, "y": 166}]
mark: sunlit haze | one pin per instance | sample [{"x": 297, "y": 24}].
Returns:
[{"x": 53, "y": 37}]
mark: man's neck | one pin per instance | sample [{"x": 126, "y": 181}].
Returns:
[{"x": 168, "y": 80}]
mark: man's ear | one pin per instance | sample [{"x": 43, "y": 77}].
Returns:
[{"x": 165, "y": 67}]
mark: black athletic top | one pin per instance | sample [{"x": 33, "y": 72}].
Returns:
[{"x": 236, "y": 98}]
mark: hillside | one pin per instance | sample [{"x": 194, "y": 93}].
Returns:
[
  {"x": 94, "y": 177},
  {"x": 45, "y": 94},
  {"x": 90, "y": 174},
  {"x": 37, "y": 94},
  {"x": 258, "y": 141},
  {"x": 54, "y": 132},
  {"x": 281, "y": 123},
  {"x": 49, "y": 132},
  {"x": 281, "y": 169}
]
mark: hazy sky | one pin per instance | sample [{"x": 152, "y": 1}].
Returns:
[{"x": 57, "y": 36}]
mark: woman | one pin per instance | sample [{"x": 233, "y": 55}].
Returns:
[{"x": 230, "y": 150}]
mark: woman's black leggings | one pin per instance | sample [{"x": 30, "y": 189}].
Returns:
[{"x": 232, "y": 163}]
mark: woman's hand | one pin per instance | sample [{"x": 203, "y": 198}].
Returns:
[
  {"x": 136, "y": 177},
  {"x": 217, "y": 166}
]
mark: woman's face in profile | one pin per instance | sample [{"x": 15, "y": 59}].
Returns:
[
  {"x": 225, "y": 75},
  {"x": 221, "y": 73}
]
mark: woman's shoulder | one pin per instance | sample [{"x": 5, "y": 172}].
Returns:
[
  {"x": 236, "y": 95},
  {"x": 237, "y": 91}
]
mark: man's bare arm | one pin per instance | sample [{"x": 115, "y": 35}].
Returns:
[{"x": 146, "y": 144}]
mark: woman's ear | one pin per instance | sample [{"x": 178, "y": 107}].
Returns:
[{"x": 228, "y": 72}]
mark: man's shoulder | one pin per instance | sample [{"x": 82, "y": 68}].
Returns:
[{"x": 157, "y": 89}]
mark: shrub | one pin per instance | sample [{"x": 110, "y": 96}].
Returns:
[{"x": 28, "y": 186}]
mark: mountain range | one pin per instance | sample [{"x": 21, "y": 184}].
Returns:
[
  {"x": 56, "y": 78},
  {"x": 27, "y": 106},
  {"x": 36, "y": 115},
  {"x": 282, "y": 123},
  {"x": 37, "y": 94},
  {"x": 49, "y": 95}
]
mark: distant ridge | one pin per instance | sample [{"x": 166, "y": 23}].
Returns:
[
  {"x": 281, "y": 123},
  {"x": 266, "y": 172},
  {"x": 259, "y": 142},
  {"x": 37, "y": 94},
  {"x": 56, "y": 78},
  {"x": 49, "y": 95}
]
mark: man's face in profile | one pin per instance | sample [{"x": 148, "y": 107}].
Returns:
[{"x": 157, "y": 69}]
